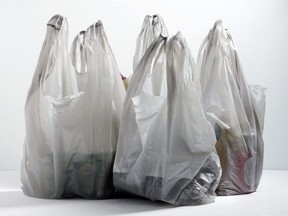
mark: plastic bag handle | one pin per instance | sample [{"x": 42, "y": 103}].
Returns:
[
  {"x": 157, "y": 20},
  {"x": 96, "y": 32},
  {"x": 56, "y": 21},
  {"x": 77, "y": 50},
  {"x": 179, "y": 38},
  {"x": 59, "y": 49}
]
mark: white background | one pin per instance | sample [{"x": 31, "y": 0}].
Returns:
[{"x": 259, "y": 29}]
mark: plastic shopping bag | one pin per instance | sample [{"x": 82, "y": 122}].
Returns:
[
  {"x": 166, "y": 147},
  {"x": 235, "y": 109},
  {"x": 71, "y": 130}
]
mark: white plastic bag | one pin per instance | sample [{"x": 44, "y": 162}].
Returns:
[
  {"x": 166, "y": 149},
  {"x": 235, "y": 110},
  {"x": 71, "y": 131}
]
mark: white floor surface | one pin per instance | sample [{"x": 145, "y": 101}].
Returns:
[{"x": 270, "y": 199}]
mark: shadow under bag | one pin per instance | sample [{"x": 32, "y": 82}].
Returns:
[{"x": 166, "y": 147}]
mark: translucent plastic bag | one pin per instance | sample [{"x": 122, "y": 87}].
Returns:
[
  {"x": 166, "y": 147},
  {"x": 71, "y": 131},
  {"x": 235, "y": 109}
]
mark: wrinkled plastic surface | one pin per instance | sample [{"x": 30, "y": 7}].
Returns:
[
  {"x": 72, "y": 129},
  {"x": 236, "y": 111},
  {"x": 166, "y": 146}
]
